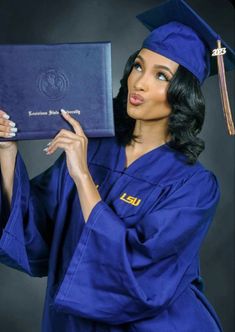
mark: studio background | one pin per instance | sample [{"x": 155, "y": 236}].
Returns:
[{"x": 31, "y": 21}]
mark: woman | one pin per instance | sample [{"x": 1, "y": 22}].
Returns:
[{"x": 117, "y": 223}]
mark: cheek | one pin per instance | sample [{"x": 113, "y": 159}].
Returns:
[{"x": 160, "y": 95}]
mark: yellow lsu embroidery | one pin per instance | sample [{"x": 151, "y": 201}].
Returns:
[{"x": 130, "y": 199}]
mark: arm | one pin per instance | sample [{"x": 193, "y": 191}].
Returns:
[
  {"x": 27, "y": 230},
  {"x": 88, "y": 194},
  {"x": 8, "y": 151},
  {"x": 28, "y": 226},
  {"x": 7, "y": 164},
  {"x": 75, "y": 146}
]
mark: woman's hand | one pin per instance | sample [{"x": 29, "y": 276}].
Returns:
[
  {"x": 7, "y": 130},
  {"x": 75, "y": 146},
  {"x": 8, "y": 152}
]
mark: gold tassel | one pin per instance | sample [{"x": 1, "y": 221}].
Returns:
[{"x": 219, "y": 52}]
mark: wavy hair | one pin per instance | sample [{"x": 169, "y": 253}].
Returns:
[{"x": 187, "y": 112}]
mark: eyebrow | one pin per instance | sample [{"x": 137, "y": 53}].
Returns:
[{"x": 157, "y": 66}]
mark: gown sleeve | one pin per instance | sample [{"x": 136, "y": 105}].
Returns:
[
  {"x": 26, "y": 228},
  {"x": 120, "y": 274}
]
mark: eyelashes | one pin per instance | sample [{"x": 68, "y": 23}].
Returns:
[
  {"x": 160, "y": 75},
  {"x": 137, "y": 66}
]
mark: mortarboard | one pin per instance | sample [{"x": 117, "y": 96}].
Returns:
[{"x": 180, "y": 34}]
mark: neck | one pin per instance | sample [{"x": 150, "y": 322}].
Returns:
[{"x": 151, "y": 134}]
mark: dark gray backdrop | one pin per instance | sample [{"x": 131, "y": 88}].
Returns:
[{"x": 22, "y": 21}]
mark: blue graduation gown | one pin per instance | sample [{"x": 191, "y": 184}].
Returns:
[{"x": 134, "y": 266}]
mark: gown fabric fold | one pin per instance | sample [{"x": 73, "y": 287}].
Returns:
[{"x": 134, "y": 266}]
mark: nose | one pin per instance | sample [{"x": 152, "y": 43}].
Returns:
[{"x": 141, "y": 83}]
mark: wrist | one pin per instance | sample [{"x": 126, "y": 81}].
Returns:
[
  {"x": 7, "y": 153},
  {"x": 82, "y": 177}
]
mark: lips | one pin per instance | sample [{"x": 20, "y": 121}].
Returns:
[{"x": 136, "y": 99}]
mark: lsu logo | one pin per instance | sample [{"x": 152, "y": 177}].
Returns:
[{"x": 130, "y": 199}]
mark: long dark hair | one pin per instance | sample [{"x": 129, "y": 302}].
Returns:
[{"x": 186, "y": 119}]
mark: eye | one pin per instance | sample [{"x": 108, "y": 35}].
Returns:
[
  {"x": 137, "y": 66},
  {"x": 162, "y": 77}
]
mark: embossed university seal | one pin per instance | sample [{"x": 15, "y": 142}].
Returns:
[{"x": 53, "y": 84}]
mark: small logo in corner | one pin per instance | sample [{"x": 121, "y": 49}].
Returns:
[{"x": 130, "y": 199}]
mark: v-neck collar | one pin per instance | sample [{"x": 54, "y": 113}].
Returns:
[
  {"x": 161, "y": 164},
  {"x": 145, "y": 159}
]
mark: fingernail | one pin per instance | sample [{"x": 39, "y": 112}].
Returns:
[
  {"x": 63, "y": 111},
  {"x": 6, "y": 116},
  {"x": 13, "y": 130},
  {"x": 11, "y": 134},
  {"x": 46, "y": 149},
  {"x": 12, "y": 124},
  {"x": 49, "y": 144}
]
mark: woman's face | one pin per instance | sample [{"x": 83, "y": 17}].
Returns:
[{"x": 147, "y": 86}]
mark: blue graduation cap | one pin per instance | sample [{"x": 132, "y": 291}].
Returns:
[{"x": 180, "y": 34}]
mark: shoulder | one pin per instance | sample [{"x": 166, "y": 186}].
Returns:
[
  {"x": 199, "y": 188},
  {"x": 193, "y": 183},
  {"x": 195, "y": 177},
  {"x": 166, "y": 166},
  {"x": 177, "y": 168}
]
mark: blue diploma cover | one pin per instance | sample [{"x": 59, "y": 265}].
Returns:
[{"x": 36, "y": 81}]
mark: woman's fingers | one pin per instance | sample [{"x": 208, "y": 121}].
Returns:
[
  {"x": 7, "y": 130},
  {"x": 7, "y": 127},
  {"x": 5, "y": 121},
  {"x": 74, "y": 123},
  {"x": 78, "y": 135},
  {"x": 62, "y": 142},
  {"x": 59, "y": 142},
  {"x": 66, "y": 133},
  {"x": 4, "y": 115}
]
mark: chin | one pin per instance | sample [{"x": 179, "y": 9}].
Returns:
[
  {"x": 135, "y": 116},
  {"x": 135, "y": 112}
]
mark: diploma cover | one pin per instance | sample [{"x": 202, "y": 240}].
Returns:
[{"x": 37, "y": 81}]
